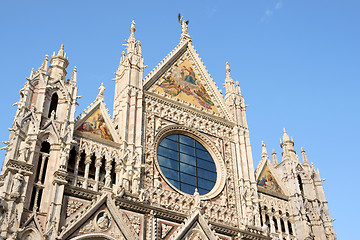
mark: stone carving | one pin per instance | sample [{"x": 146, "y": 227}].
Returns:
[
  {"x": 72, "y": 206},
  {"x": 157, "y": 183},
  {"x": 24, "y": 150},
  {"x": 223, "y": 200},
  {"x": 265, "y": 229},
  {"x": 135, "y": 182},
  {"x": 165, "y": 229},
  {"x": 103, "y": 221},
  {"x": 16, "y": 185},
  {"x": 135, "y": 222},
  {"x": 102, "y": 90},
  {"x": 87, "y": 228},
  {"x": 144, "y": 195}
]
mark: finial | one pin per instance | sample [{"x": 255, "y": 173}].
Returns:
[
  {"x": 227, "y": 71},
  {"x": 44, "y": 64},
  {"x": 263, "y": 150},
  {"x": 285, "y": 137},
  {"x": 132, "y": 28},
  {"x": 238, "y": 91},
  {"x": 228, "y": 67},
  {"x": 74, "y": 76},
  {"x": 263, "y": 147},
  {"x": 274, "y": 158},
  {"x": 100, "y": 96},
  {"x": 184, "y": 27},
  {"x": 31, "y": 73},
  {"x": 61, "y": 51},
  {"x": 131, "y": 42},
  {"x": 102, "y": 89},
  {"x": 304, "y": 157}
]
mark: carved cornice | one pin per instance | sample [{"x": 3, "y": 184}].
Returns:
[{"x": 196, "y": 111}]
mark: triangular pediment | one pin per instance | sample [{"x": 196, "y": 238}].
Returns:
[
  {"x": 95, "y": 124},
  {"x": 101, "y": 218},
  {"x": 182, "y": 77},
  {"x": 268, "y": 182},
  {"x": 195, "y": 227}
]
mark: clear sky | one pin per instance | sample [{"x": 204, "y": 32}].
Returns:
[{"x": 297, "y": 63}]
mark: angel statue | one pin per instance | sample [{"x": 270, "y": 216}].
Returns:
[{"x": 184, "y": 24}]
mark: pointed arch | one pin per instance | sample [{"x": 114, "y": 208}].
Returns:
[
  {"x": 53, "y": 104},
  {"x": 93, "y": 236}
]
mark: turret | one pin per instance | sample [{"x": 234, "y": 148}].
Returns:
[
  {"x": 58, "y": 65},
  {"x": 40, "y": 141},
  {"x": 288, "y": 147}
]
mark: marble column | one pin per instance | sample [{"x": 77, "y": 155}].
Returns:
[{"x": 87, "y": 167}]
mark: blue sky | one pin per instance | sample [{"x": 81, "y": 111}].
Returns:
[{"x": 297, "y": 63}]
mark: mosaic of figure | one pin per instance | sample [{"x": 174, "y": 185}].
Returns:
[
  {"x": 95, "y": 124},
  {"x": 184, "y": 84},
  {"x": 267, "y": 181}
]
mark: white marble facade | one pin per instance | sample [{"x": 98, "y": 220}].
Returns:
[{"x": 103, "y": 177}]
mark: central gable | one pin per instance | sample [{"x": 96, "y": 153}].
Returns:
[
  {"x": 182, "y": 77},
  {"x": 183, "y": 82}
]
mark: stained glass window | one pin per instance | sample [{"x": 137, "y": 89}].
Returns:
[{"x": 186, "y": 164}]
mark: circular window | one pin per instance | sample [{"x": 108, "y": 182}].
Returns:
[{"x": 186, "y": 164}]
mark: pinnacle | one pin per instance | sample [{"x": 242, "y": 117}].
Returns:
[
  {"x": 228, "y": 77},
  {"x": 285, "y": 137},
  {"x": 228, "y": 67},
  {"x": 61, "y": 51},
  {"x": 132, "y": 30},
  {"x": 264, "y": 151}
]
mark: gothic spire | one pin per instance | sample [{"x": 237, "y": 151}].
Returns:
[
  {"x": 286, "y": 144},
  {"x": 304, "y": 157},
  {"x": 264, "y": 154},
  {"x": 131, "y": 42},
  {"x": 73, "y": 76},
  {"x": 44, "y": 64},
  {"x": 229, "y": 83},
  {"x": 285, "y": 136},
  {"x": 274, "y": 158},
  {"x": 61, "y": 51}
]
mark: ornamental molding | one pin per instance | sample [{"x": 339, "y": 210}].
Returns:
[
  {"x": 155, "y": 99},
  {"x": 72, "y": 206}
]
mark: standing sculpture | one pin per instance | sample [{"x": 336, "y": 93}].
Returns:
[{"x": 184, "y": 24}]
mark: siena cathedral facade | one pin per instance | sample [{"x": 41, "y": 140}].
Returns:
[{"x": 172, "y": 162}]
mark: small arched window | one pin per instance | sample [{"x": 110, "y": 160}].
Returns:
[
  {"x": 290, "y": 228},
  {"x": 81, "y": 169},
  {"x": 113, "y": 173},
  {"x": 53, "y": 104},
  {"x": 92, "y": 168},
  {"x": 261, "y": 219},
  {"x": 300, "y": 184},
  {"x": 40, "y": 176},
  {"x": 275, "y": 224},
  {"x": 282, "y": 225},
  {"x": 102, "y": 170},
  {"x": 267, "y": 220},
  {"x": 72, "y": 160}
]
